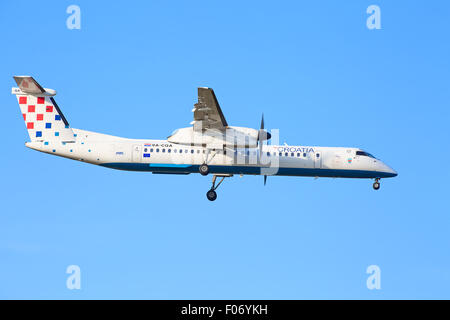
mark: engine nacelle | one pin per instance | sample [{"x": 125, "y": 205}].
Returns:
[{"x": 233, "y": 137}]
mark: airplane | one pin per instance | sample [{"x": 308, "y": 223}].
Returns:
[{"x": 209, "y": 146}]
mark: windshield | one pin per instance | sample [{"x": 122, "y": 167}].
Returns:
[{"x": 363, "y": 153}]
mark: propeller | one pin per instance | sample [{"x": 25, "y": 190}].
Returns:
[{"x": 262, "y": 135}]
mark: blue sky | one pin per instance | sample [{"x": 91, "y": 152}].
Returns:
[{"x": 317, "y": 73}]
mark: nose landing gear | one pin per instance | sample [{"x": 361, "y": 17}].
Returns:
[
  {"x": 376, "y": 184},
  {"x": 211, "y": 194}
]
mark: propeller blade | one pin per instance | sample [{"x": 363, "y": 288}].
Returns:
[
  {"x": 265, "y": 180},
  {"x": 263, "y": 134}
]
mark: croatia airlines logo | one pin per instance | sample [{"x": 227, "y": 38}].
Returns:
[{"x": 349, "y": 160}]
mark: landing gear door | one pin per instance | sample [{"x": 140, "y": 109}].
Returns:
[
  {"x": 136, "y": 153},
  {"x": 318, "y": 160}
]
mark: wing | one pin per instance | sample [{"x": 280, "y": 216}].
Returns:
[{"x": 207, "y": 112}]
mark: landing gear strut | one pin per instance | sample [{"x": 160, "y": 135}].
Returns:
[
  {"x": 211, "y": 194},
  {"x": 376, "y": 184}
]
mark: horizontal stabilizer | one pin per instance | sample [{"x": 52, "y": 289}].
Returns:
[{"x": 28, "y": 85}]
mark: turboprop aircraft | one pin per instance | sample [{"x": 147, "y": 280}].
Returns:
[{"x": 209, "y": 146}]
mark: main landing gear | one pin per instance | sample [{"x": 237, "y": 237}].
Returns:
[
  {"x": 204, "y": 169},
  {"x": 376, "y": 184},
  {"x": 211, "y": 194}
]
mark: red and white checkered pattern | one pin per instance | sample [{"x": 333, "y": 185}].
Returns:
[{"x": 39, "y": 114}]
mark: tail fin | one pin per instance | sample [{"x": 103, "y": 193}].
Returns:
[{"x": 44, "y": 120}]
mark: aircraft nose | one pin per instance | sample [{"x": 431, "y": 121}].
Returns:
[
  {"x": 393, "y": 172},
  {"x": 389, "y": 171}
]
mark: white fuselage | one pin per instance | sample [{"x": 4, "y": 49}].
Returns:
[{"x": 161, "y": 156}]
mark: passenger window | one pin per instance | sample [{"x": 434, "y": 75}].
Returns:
[
  {"x": 163, "y": 150},
  {"x": 157, "y": 150},
  {"x": 280, "y": 154},
  {"x": 169, "y": 150},
  {"x": 145, "y": 149},
  {"x": 198, "y": 151},
  {"x": 317, "y": 155},
  {"x": 298, "y": 155},
  {"x": 285, "y": 154},
  {"x": 304, "y": 154},
  {"x": 151, "y": 150},
  {"x": 292, "y": 154},
  {"x": 268, "y": 154},
  {"x": 192, "y": 150}
]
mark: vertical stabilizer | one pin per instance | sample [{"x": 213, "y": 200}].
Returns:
[{"x": 43, "y": 118}]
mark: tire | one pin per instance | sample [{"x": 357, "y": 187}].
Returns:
[
  {"x": 204, "y": 169},
  {"x": 211, "y": 195},
  {"x": 376, "y": 185}
]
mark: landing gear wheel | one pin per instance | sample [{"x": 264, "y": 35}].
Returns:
[
  {"x": 204, "y": 169},
  {"x": 211, "y": 195},
  {"x": 376, "y": 185}
]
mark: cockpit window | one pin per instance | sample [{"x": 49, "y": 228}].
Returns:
[{"x": 363, "y": 153}]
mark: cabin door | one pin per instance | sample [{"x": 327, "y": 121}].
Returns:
[
  {"x": 318, "y": 160},
  {"x": 136, "y": 154}
]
